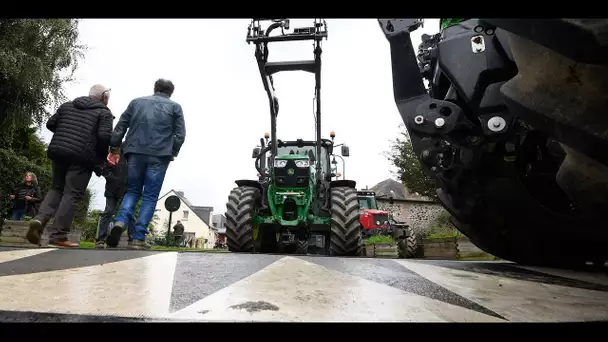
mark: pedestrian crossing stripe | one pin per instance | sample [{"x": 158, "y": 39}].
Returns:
[
  {"x": 236, "y": 287},
  {"x": 294, "y": 290}
]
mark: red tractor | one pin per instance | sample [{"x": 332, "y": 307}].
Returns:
[{"x": 380, "y": 222}]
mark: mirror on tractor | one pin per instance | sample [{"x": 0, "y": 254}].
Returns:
[
  {"x": 255, "y": 153},
  {"x": 345, "y": 151}
]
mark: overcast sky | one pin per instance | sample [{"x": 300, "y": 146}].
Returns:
[{"x": 225, "y": 107}]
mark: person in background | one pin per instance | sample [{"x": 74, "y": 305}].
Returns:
[
  {"x": 178, "y": 233},
  {"x": 116, "y": 186},
  {"x": 25, "y": 196},
  {"x": 156, "y": 133},
  {"x": 81, "y": 134}
]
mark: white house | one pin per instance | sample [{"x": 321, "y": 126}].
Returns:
[{"x": 192, "y": 217}]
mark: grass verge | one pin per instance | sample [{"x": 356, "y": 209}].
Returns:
[
  {"x": 88, "y": 244},
  {"x": 379, "y": 239}
]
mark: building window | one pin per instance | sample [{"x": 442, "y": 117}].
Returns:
[{"x": 185, "y": 215}]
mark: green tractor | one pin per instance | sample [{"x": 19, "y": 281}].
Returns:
[{"x": 294, "y": 202}]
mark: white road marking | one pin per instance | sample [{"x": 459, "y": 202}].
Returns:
[
  {"x": 134, "y": 287},
  {"x": 292, "y": 289},
  {"x": 518, "y": 300},
  {"x": 22, "y": 253}
]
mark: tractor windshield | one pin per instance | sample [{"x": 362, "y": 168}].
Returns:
[
  {"x": 304, "y": 151},
  {"x": 368, "y": 202}
]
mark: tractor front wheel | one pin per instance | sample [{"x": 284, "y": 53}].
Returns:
[
  {"x": 407, "y": 247},
  {"x": 302, "y": 246},
  {"x": 240, "y": 211},
  {"x": 345, "y": 235}
]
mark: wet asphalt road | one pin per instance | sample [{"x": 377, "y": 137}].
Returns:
[{"x": 245, "y": 287}]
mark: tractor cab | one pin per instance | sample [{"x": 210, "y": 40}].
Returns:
[
  {"x": 304, "y": 155},
  {"x": 293, "y": 157},
  {"x": 369, "y": 214}
]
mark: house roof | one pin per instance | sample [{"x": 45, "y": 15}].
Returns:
[
  {"x": 196, "y": 209},
  {"x": 396, "y": 190},
  {"x": 390, "y": 188}
]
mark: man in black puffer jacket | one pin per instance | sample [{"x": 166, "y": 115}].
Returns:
[{"x": 82, "y": 129}]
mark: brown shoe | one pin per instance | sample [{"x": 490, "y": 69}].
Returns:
[
  {"x": 34, "y": 231},
  {"x": 68, "y": 244}
]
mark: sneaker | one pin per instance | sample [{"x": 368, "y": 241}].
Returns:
[
  {"x": 130, "y": 243},
  {"x": 34, "y": 231},
  {"x": 139, "y": 244},
  {"x": 67, "y": 244},
  {"x": 100, "y": 244},
  {"x": 114, "y": 236}
]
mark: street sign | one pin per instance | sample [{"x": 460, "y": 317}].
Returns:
[{"x": 172, "y": 203}]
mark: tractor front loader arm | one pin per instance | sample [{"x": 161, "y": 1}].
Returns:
[
  {"x": 261, "y": 37},
  {"x": 408, "y": 88}
]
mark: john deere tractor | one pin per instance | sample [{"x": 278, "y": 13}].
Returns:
[{"x": 294, "y": 200}]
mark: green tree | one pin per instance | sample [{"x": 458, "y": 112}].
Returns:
[
  {"x": 37, "y": 58},
  {"x": 409, "y": 171}
]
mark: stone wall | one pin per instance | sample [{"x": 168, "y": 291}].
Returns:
[
  {"x": 13, "y": 233},
  {"x": 418, "y": 214}
]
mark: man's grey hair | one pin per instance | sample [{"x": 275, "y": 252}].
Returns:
[{"x": 97, "y": 91}]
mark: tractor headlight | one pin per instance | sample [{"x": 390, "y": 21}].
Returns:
[
  {"x": 280, "y": 163},
  {"x": 302, "y": 163},
  {"x": 378, "y": 223}
]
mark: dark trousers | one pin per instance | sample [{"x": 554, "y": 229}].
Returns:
[
  {"x": 177, "y": 240},
  {"x": 70, "y": 182},
  {"x": 106, "y": 218},
  {"x": 18, "y": 214}
]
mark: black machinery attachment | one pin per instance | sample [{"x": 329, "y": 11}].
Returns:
[{"x": 261, "y": 37}]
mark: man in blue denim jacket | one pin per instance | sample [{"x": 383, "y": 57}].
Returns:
[{"x": 156, "y": 132}]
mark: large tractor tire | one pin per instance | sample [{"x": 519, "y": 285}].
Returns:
[
  {"x": 302, "y": 247},
  {"x": 345, "y": 235},
  {"x": 240, "y": 210},
  {"x": 407, "y": 247}
]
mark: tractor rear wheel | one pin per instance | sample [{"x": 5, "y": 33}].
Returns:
[
  {"x": 240, "y": 211},
  {"x": 345, "y": 235},
  {"x": 407, "y": 247}
]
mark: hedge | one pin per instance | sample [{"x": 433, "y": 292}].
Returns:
[{"x": 12, "y": 170}]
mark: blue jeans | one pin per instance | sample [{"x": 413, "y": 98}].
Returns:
[
  {"x": 18, "y": 214},
  {"x": 145, "y": 179}
]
